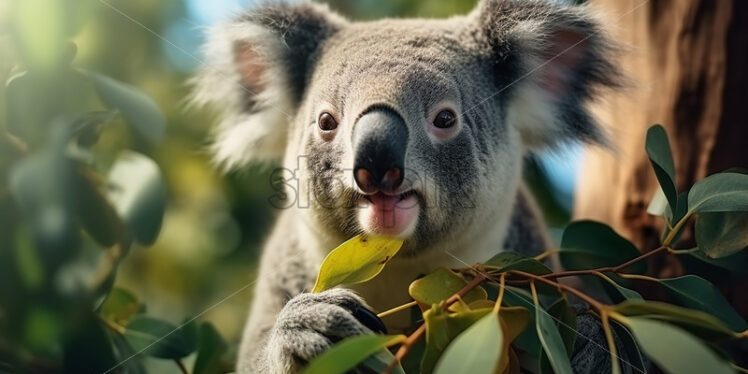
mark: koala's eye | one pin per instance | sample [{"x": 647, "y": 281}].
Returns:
[
  {"x": 445, "y": 119},
  {"x": 327, "y": 122}
]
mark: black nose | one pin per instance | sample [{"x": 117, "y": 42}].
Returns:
[{"x": 380, "y": 139}]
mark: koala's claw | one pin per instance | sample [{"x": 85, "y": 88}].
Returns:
[{"x": 310, "y": 323}]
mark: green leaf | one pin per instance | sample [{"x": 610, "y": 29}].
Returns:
[
  {"x": 140, "y": 111},
  {"x": 440, "y": 285},
  {"x": 634, "y": 357},
  {"x": 355, "y": 261},
  {"x": 617, "y": 292},
  {"x": 139, "y": 195},
  {"x": 211, "y": 347},
  {"x": 476, "y": 350},
  {"x": 699, "y": 323},
  {"x": 347, "y": 354},
  {"x": 119, "y": 306},
  {"x": 131, "y": 363},
  {"x": 589, "y": 245},
  {"x": 550, "y": 339},
  {"x": 722, "y": 234},
  {"x": 44, "y": 186},
  {"x": 674, "y": 350},
  {"x": 160, "y": 339},
  {"x": 506, "y": 261},
  {"x": 96, "y": 214},
  {"x": 721, "y": 192},
  {"x": 733, "y": 263},
  {"x": 441, "y": 328},
  {"x": 661, "y": 157},
  {"x": 528, "y": 340},
  {"x": 378, "y": 362},
  {"x": 566, "y": 321},
  {"x": 697, "y": 293}
]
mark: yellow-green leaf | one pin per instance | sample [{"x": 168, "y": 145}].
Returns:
[
  {"x": 477, "y": 350},
  {"x": 355, "y": 261},
  {"x": 440, "y": 285}
]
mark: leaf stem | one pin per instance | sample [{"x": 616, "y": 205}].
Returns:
[
  {"x": 546, "y": 254},
  {"x": 671, "y": 235},
  {"x": 612, "y": 269},
  {"x": 397, "y": 309},
  {"x": 500, "y": 298}
]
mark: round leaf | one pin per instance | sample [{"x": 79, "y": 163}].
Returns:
[
  {"x": 589, "y": 244},
  {"x": 140, "y": 111},
  {"x": 722, "y": 192},
  {"x": 722, "y": 234},
  {"x": 119, "y": 306},
  {"x": 674, "y": 350},
  {"x": 440, "y": 285},
  {"x": 347, "y": 354},
  {"x": 139, "y": 195},
  {"x": 355, "y": 261}
]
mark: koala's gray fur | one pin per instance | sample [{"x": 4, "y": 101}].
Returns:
[{"x": 517, "y": 73}]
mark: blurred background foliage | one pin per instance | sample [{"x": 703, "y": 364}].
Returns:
[{"x": 213, "y": 225}]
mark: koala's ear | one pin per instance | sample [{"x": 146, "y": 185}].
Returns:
[
  {"x": 255, "y": 73},
  {"x": 551, "y": 59}
]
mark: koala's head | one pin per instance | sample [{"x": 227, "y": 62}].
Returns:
[{"x": 409, "y": 128}]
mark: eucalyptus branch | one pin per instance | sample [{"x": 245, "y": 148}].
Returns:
[
  {"x": 607, "y": 269},
  {"x": 592, "y": 302},
  {"x": 413, "y": 338}
]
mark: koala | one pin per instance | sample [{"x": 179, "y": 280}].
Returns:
[{"x": 409, "y": 128}]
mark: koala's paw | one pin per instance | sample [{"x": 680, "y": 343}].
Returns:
[{"x": 310, "y": 323}]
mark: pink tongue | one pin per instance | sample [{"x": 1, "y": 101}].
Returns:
[{"x": 383, "y": 202}]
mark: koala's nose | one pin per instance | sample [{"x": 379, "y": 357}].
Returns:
[{"x": 380, "y": 139}]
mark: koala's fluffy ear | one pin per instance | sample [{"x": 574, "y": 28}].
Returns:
[
  {"x": 550, "y": 59},
  {"x": 256, "y": 70}
]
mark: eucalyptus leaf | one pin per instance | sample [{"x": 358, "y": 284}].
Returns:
[
  {"x": 528, "y": 340},
  {"x": 140, "y": 111},
  {"x": 661, "y": 157},
  {"x": 159, "y": 338},
  {"x": 441, "y": 328},
  {"x": 566, "y": 322},
  {"x": 119, "y": 306},
  {"x": 138, "y": 193},
  {"x": 211, "y": 347},
  {"x": 699, "y": 323},
  {"x": 379, "y": 361},
  {"x": 96, "y": 214},
  {"x": 615, "y": 291},
  {"x": 477, "y": 350},
  {"x": 722, "y": 234},
  {"x": 439, "y": 285},
  {"x": 355, "y": 261},
  {"x": 698, "y": 293},
  {"x": 550, "y": 338},
  {"x": 674, "y": 350},
  {"x": 633, "y": 354},
  {"x": 350, "y": 352},
  {"x": 506, "y": 261},
  {"x": 721, "y": 192},
  {"x": 588, "y": 245}
]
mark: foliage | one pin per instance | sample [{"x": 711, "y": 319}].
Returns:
[
  {"x": 468, "y": 332},
  {"x": 70, "y": 216}
]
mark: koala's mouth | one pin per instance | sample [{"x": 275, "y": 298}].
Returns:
[{"x": 389, "y": 215}]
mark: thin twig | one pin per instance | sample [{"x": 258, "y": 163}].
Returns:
[
  {"x": 397, "y": 309},
  {"x": 592, "y": 302}
]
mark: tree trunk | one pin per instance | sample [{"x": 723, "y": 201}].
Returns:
[{"x": 687, "y": 61}]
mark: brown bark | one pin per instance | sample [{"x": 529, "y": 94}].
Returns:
[{"x": 687, "y": 61}]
